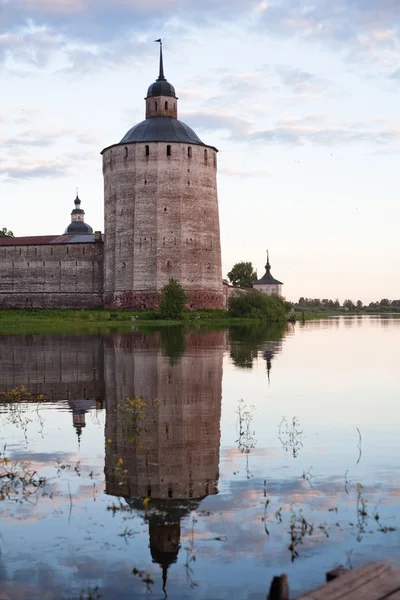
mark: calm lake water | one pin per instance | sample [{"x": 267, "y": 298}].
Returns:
[{"x": 255, "y": 451}]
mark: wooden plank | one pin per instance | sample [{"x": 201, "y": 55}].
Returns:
[{"x": 347, "y": 586}]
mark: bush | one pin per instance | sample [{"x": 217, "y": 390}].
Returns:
[
  {"x": 256, "y": 305},
  {"x": 172, "y": 301}
]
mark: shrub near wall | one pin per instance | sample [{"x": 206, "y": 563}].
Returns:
[
  {"x": 256, "y": 305},
  {"x": 172, "y": 301}
]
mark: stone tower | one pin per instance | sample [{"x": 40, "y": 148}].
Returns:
[{"x": 161, "y": 209}]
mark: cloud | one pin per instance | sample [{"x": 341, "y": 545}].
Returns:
[
  {"x": 257, "y": 86},
  {"x": 105, "y": 20},
  {"x": 364, "y": 29},
  {"x": 299, "y": 134},
  {"x": 312, "y": 129},
  {"x": 208, "y": 122},
  {"x": 302, "y": 82},
  {"x": 233, "y": 172},
  {"x": 43, "y": 168},
  {"x": 43, "y": 138},
  {"x": 30, "y": 45}
]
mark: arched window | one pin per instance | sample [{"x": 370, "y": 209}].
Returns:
[
  {"x": 205, "y": 157},
  {"x": 126, "y": 152},
  {"x": 189, "y": 152},
  {"x": 155, "y": 104},
  {"x": 166, "y": 105},
  {"x": 147, "y": 151},
  {"x": 168, "y": 150}
]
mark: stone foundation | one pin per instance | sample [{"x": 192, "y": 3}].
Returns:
[{"x": 197, "y": 299}]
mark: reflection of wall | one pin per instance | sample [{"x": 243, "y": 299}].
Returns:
[
  {"x": 61, "y": 367},
  {"x": 174, "y": 463},
  {"x": 178, "y": 453}
]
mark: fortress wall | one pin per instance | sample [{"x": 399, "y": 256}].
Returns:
[
  {"x": 165, "y": 210},
  {"x": 51, "y": 276}
]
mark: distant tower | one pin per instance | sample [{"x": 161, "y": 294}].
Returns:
[
  {"x": 161, "y": 209},
  {"x": 267, "y": 284},
  {"x": 78, "y": 224}
]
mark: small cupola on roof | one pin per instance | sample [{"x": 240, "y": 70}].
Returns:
[
  {"x": 268, "y": 284},
  {"x": 78, "y": 225},
  {"x": 161, "y": 87},
  {"x": 161, "y": 100}
]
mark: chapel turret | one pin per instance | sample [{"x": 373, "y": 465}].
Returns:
[
  {"x": 268, "y": 284},
  {"x": 78, "y": 224},
  {"x": 161, "y": 100},
  {"x": 161, "y": 209}
]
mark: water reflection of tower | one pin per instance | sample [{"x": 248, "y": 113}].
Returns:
[
  {"x": 269, "y": 349},
  {"x": 174, "y": 464},
  {"x": 79, "y": 409}
]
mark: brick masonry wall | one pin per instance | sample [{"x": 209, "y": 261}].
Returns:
[
  {"x": 161, "y": 221},
  {"x": 51, "y": 276}
]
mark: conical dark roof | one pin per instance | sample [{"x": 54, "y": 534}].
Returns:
[{"x": 267, "y": 277}]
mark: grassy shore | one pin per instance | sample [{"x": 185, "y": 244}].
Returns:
[{"x": 99, "y": 320}]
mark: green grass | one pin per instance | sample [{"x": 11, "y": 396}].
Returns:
[
  {"x": 100, "y": 320},
  {"x": 38, "y": 321}
]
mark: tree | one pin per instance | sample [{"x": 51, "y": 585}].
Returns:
[
  {"x": 359, "y": 304},
  {"x": 242, "y": 274},
  {"x": 6, "y": 232},
  {"x": 349, "y": 304},
  {"x": 172, "y": 301}
]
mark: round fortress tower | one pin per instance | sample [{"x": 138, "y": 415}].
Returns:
[{"x": 161, "y": 210}]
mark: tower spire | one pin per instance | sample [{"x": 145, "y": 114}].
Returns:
[
  {"x": 268, "y": 266},
  {"x": 161, "y": 76}
]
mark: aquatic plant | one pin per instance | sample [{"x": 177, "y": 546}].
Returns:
[
  {"x": 18, "y": 481},
  {"x": 289, "y": 434},
  {"x": 144, "y": 576},
  {"x": 246, "y": 440},
  {"x": 190, "y": 557},
  {"x": 300, "y": 526},
  {"x": 133, "y": 411}
]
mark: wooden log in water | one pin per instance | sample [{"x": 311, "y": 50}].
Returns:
[{"x": 279, "y": 589}]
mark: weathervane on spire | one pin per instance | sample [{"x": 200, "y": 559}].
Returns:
[{"x": 161, "y": 76}]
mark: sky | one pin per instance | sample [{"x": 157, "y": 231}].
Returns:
[{"x": 301, "y": 99}]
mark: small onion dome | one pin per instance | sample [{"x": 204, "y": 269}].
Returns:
[
  {"x": 79, "y": 227},
  {"x": 161, "y": 88}
]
